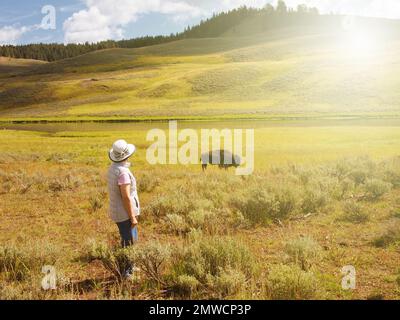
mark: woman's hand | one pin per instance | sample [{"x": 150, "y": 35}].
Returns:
[{"x": 134, "y": 222}]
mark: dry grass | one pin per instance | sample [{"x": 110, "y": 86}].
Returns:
[
  {"x": 182, "y": 277},
  {"x": 224, "y": 238}
]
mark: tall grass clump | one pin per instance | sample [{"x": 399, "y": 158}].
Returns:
[
  {"x": 376, "y": 188},
  {"x": 197, "y": 268},
  {"x": 147, "y": 182},
  {"x": 151, "y": 258},
  {"x": 391, "y": 169},
  {"x": 290, "y": 282},
  {"x": 64, "y": 183},
  {"x": 176, "y": 224},
  {"x": 167, "y": 204},
  {"x": 353, "y": 212},
  {"x": 116, "y": 260},
  {"x": 260, "y": 206},
  {"x": 304, "y": 251},
  {"x": 20, "y": 263},
  {"x": 317, "y": 193},
  {"x": 389, "y": 237},
  {"x": 216, "y": 221},
  {"x": 212, "y": 268},
  {"x": 96, "y": 201}
]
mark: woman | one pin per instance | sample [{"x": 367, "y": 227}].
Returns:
[{"x": 124, "y": 202}]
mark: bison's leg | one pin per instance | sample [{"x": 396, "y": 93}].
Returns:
[{"x": 204, "y": 167}]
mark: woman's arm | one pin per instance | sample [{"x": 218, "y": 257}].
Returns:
[{"x": 127, "y": 201}]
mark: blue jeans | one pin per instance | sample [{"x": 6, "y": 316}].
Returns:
[{"x": 128, "y": 234}]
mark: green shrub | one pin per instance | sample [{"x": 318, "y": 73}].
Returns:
[
  {"x": 376, "y": 188},
  {"x": 303, "y": 251},
  {"x": 20, "y": 262},
  {"x": 96, "y": 202},
  {"x": 257, "y": 207},
  {"x": 359, "y": 176},
  {"x": 390, "y": 236},
  {"x": 197, "y": 218},
  {"x": 393, "y": 177},
  {"x": 11, "y": 292},
  {"x": 238, "y": 220},
  {"x": 68, "y": 182},
  {"x": 392, "y": 171},
  {"x": 203, "y": 204},
  {"x": 345, "y": 187},
  {"x": 186, "y": 286},
  {"x": 14, "y": 263},
  {"x": 228, "y": 283},
  {"x": 221, "y": 266},
  {"x": 304, "y": 175},
  {"x": 286, "y": 202},
  {"x": 261, "y": 206},
  {"x": 176, "y": 223},
  {"x": 208, "y": 256},
  {"x": 59, "y": 158},
  {"x": 313, "y": 200},
  {"x": 341, "y": 169},
  {"x": 354, "y": 212},
  {"x": 147, "y": 182},
  {"x": 291, "y": 283},
  {"x": 151, "y": 258},
  {"x": 168, "y": 204},
  {"x": 21, "y": 182},
  {"x": 115, "y": 260}
]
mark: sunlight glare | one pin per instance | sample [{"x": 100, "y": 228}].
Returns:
[{"x": 359, "y": 41}]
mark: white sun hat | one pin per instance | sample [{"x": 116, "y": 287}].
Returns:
[{"x": 121, "y": 151}]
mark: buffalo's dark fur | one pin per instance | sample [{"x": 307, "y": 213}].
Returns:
[{"x": 222, "y": 158}]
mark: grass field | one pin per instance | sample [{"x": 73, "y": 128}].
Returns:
[
  {"x": 321, "y": 197},
  {"x": 324, "y": 193}
]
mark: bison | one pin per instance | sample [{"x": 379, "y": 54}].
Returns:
[{"x": 222, "y": 158}]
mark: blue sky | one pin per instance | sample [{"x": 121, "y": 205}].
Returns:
[
  {"x": 18, "y": 14},
  {"x": 96, "y": 20}
]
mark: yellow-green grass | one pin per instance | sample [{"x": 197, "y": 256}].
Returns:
[
  {"x": 10, "y": 66},
  {"x": 271, "y": 118},
  {"x": 275, "y": 143},
  {"x": 281, "y": 73},
  {"x": 59, "y": 177}
]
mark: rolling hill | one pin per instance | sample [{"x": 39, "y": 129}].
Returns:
[{"x": 299, "y": 70}]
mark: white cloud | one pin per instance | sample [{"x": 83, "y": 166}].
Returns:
[
  {"x": 11, "y": 34},
  {"x": 106, "y": 19},
  {"x": 90, "y": 25}
]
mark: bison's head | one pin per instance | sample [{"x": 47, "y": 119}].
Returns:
[{"x": 237, "y": 161}]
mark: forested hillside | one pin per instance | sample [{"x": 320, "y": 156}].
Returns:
[{"x": 217, "y": 25}]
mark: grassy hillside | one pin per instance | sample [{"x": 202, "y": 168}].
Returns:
[
  {"x": 10, "y": 67},
  {"x": 293, "y": 71}
]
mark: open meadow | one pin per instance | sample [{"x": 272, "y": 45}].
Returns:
[
  {"x": 322, "y": 196},
  {"x": 323, "y": 99}
]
